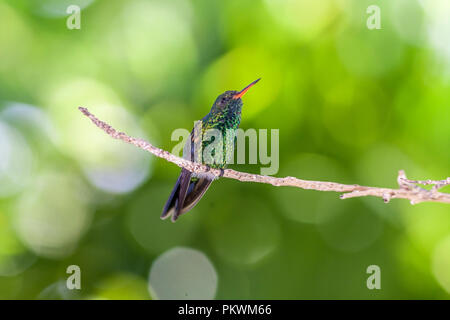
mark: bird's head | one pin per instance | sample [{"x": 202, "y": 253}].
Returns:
[{"x": 231, "y": 100}]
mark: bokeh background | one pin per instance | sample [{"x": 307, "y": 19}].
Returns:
[{"x": 353, "y": 105}]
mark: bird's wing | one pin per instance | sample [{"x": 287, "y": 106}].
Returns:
[
  {"x": 174, "y": 204},
  {"x": 188, "y": 189},
  {"x": 169, "y": 208},
  {"x": 185, "y": 179}
]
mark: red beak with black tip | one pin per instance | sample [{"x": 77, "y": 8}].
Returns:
[{"x": 244, "y": 91}]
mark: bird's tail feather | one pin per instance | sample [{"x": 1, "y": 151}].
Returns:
[{"x": 185, "y": 195}]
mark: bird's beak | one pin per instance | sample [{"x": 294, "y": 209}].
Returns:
[{"x": 243, "y": 91}]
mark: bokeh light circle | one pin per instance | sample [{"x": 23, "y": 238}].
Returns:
[
  {"x": 153, "y": 234},
  {"x": 33, "y": 121},
  {"x": 110, "y": 166},
  {"x": 352, "y": 227},
  {"x": 409, "y": 20},
  {"x": 14, "y": 258},
  {"x": 156, "y": 41},
  {"x": 52, "y": 215},
  {"x": 243, "y": 232},
  {"x": 16, "y": 161},
  {"x": 183, "y": 273}
]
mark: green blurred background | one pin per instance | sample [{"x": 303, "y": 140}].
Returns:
[{"x": 353, "y": 105}]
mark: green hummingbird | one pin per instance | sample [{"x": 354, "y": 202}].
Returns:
[{"x": 224, "y": 117}]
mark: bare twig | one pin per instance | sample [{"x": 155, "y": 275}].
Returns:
[{"x": 408, "y": 189}]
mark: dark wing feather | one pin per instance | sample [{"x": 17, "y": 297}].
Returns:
[
  {"x": 196, "y": 191},
  {"x": 176, "y": 205},
  {"x": 170, "y": 204},
  {"x": 185, "y": 179}
]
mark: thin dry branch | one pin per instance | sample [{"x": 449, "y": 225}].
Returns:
[{"x": 408, "y": 189}]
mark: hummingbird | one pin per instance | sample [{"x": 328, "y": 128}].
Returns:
[{"x": 224, "y": 116}]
